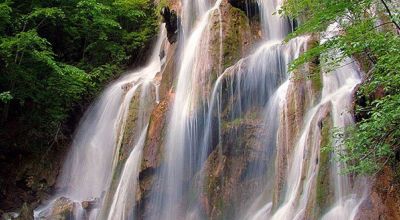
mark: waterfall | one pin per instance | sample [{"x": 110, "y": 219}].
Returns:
[
  {"x": 258, "y": 83},
  {"x": 273, "y": 26},
  {"x": 89, "y": 167},
  {"x": 303, "y": 169},
  {"x": 182, "y": 137},
  {"x": 242, "y": 142},
  {"x": 122, "y": 204}
]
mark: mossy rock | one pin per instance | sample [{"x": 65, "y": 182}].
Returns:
[
  {"x": 324, "y": 188},
  {"x": 236, "y": 37},
  {"x": 226, "y": 169},
  {"x": 63, "y": 209}
]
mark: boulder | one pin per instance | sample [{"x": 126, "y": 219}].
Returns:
[
  {"x": 127, "y": 86},
  {"x": 63, "y": 208},
  {"x": 90, "y": 204}
]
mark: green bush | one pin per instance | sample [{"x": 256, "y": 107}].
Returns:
[{"x": 55, "y": 54}]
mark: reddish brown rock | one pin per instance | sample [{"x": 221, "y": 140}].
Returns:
[
  {"x": 63, "y": 208},
  {"x": 382, "y": 202}
]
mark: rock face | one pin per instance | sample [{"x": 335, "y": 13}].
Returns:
[
  {"x": 154, "y": 145},
  {"x": 237, "y": 38},
  {"x": 26, "y": 212},
  {"x": 248, "y": 6},
  {"x": 30, "y": 178},
  {"x": 172, "y": 23},
  {"x": 225, "y": 186},
  {"x": 382, "y": 201},
  {"x": 236, "y": 42}
]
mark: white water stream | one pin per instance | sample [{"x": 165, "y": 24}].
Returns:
[
  {"x": 89, "y": 167},
  {"x": 258, "y": 83}
]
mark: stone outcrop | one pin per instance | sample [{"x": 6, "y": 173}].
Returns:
[
  {"x": 89, "y": 205},
  {"x": 236, "y": 42},
  {"x": 382, "y": 200},
  {"x": 63, "y": 209},
  {"x": 250, "y": 7},
  {"x": 172, "y": 23},
  {"x": 237, "y": 35},
  {"x": 227, "y": 166},
  {"x": 154, "y": 144}
]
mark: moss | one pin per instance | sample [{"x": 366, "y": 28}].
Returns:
[
  {"x": 234, "y": 123},
  {"x": 249, "y": 118},
  {"x": 220, "y": 206},
  {"x": 315, "y": 68},
  {"x": 212, "y": 181},
  {"x": 161, "y": 4},
  {"x": 232, "y": 47},
  {"x": 213, "y": 186},
  {"x": 316, "y": 80},
  {"x": 324, "y": 189},
  {"x": 130, "y": 125}
]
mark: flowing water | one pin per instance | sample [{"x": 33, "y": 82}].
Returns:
[
  {"x": 88, "y": 170},
  {"x": 187, "y": 115},
  {"x": 234, "y": 148}
]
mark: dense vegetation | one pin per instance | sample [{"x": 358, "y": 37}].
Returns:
[
  {"x": 369, "y": 31},
  {"x": 55, "y": 54}
]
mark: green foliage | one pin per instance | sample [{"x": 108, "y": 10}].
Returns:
[
  {"x": 368, "y": 31},
  {"x": 374, "y": 141},
  {"x": 5, "y": 15},
  {"x": 54, "y": 55},
  {"x": 5, "y": 97}
]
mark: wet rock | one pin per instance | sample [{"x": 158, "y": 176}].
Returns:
[
  {"x": 63, "y": 208},
  {"x": 382, "y": 201},
  {"x": 9, "y": 215},
  {"x": 127, "y": 86},
  {"x": 158, "y": 118},
  {"x": 152, "y": 151},
  {"x": 166, "y": 76},
  {"x": 172, "y": 23},
  {"x": 323, "y": 197},
  {"x": 152, "y": 155},
  {"x": 26, "y": 212},
  {"x": 250, "y": 7},
  {"x": 229, "y": 170},
  {"x": 291, "y": 119},
  {"x": 312, "y": 70},
  {"x": 237, "y": 35},
  {"x": 90, "y": 204}
]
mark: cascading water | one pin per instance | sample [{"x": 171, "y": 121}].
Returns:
[
  {"x": 273, "y": 26},
  {"x": 123, "y": 201},
  {"x": 89, "y": 167},
  {"x": 182, "y": 138},
  {"x": 232, "y": 148},
  {"x": 337, "y": 95},
  {"x": 254, "y": 84}
]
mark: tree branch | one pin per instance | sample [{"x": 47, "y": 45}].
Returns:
[{"x": 390, "y": 14}]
